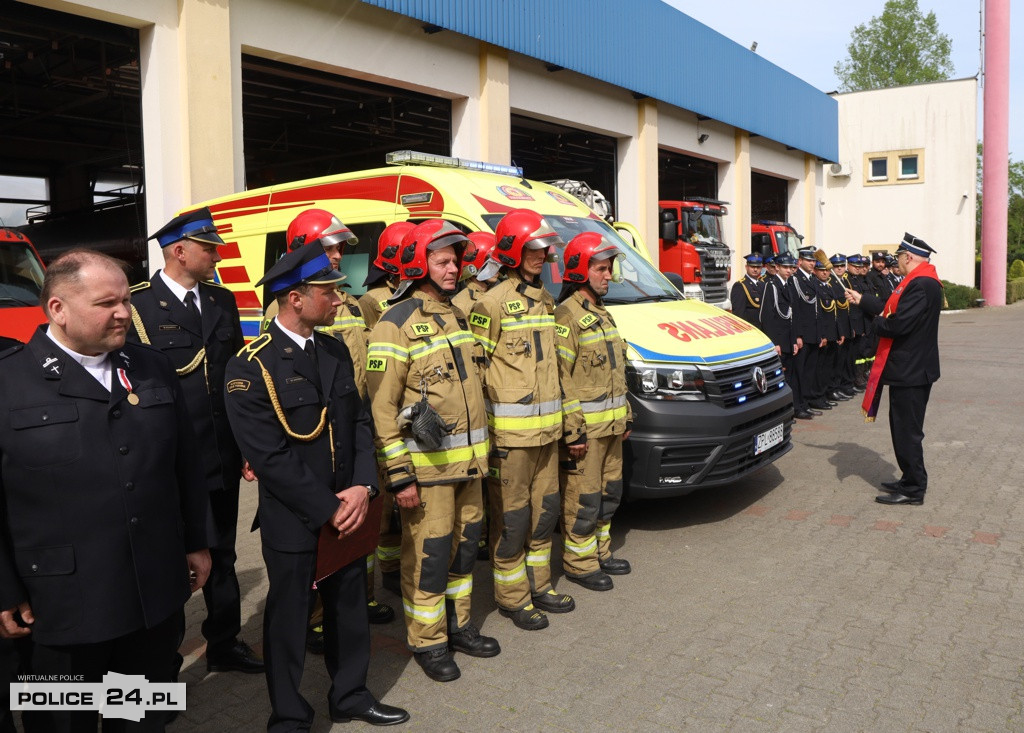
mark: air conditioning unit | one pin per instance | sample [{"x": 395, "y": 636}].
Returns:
[{"x": 837, "y": 170}]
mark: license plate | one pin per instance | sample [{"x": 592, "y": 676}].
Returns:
[{"x": 768, "y": 439}]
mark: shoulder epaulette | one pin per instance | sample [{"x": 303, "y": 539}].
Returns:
[
  {"x": 215, "y": 284},
  {"x": 140, "y": 286},
  {"x": 4, "y": 353},
  {"x": 251, "y": 348},
  {"x": 400, "y": 312}
]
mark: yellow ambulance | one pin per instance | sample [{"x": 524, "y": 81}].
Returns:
[{"x": 710, "y": 404}]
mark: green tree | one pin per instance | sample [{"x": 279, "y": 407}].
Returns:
[
  {"x": 901, "y": 46},
  {"x": 1014, "y": 214}
]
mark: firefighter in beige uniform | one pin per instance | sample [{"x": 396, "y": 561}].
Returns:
[
  {"x": 514, "y": 323},
  {"x": 592, "y": 357},
  {"x": 428, "y": 411}
]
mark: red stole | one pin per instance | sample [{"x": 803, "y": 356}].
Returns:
[{"x": 873, "y": 392}]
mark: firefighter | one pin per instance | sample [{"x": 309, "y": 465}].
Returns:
[
  {"x": 382, "y": 279},
  {"x": 771, "y": 267},
  {"x": 807, "y": 325},
  {"x": 776, "y": 320},
  {"x": 851, "y": 317},
  {"x": 592, "y": 357},
  {"x": 858, "y": 268},
  {"x": 829, "y": 334},
  {"x": 747, "y": 291},
  {"x": 428, "y": 410},
  {"x": 527, "y": 413}
]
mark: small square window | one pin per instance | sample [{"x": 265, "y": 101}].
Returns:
[
  {"x": 879, "y": 169},
  {"x": 908, "y": 166}
]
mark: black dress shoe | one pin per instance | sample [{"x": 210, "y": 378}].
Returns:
[
  {"x": 438, "y": 664},
  {"x": 838, "y": 396},
  {"x": 470, "y": 641},
  {"x": 892, "y": 487},
  {"x": 831, "y": 403},
  {"x": 820, "y": 405},
  {"x": 595, "y": 581},
  {"x": 898, "y": 498},
  {"x": 816, "y": 413},
  {"x": 803, "y": 415},
  {"x": 379, "y": 613},
  {"x": 553, "y": 602},
  {"x": 616, "y": 566},
  {"x": 377, "y": 714},
  {"x": 234, "y": 657}
]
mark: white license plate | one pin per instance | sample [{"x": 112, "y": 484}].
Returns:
[{"x": 768, "y": 439}]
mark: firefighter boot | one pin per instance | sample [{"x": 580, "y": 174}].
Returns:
[
  {"x": 528, "y": 619},
  {"x": 438, "y": 664},
  {"x": 616, "y": 566},
  {"x": 470, "y": 641},
  {"x": 595, "y": 581},
  {"x": 553, "y": 602}
]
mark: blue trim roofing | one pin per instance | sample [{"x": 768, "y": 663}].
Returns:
[{"x": 652, "y": 49}]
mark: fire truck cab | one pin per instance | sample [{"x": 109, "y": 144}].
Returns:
[
  {"x": 692, "y": 246},
  {"x": 21, "y": 282}
]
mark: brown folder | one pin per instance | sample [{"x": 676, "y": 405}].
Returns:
[{"x": 332, "y": 554}]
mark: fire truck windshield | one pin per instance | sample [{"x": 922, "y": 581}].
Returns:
[
  {"x": 637, "y": 279},
  {"x": 788, "y": 240},
  {"x": 703, "y": 226},
  {"x": 21, "y": 276}
]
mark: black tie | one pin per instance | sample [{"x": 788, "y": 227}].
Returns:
[
  {"x": 311, "y": 353},
  {"x": 190, "y": 306}
]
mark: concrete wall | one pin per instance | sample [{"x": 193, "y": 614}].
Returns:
[{"x": 935, "y": 121}]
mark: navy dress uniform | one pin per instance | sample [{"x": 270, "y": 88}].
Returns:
[
  {"x": 200, "y": 334},
  {"x": 302, "y": 426},
  {"x": 747, "y": 292},
  {"x": 841, "y": 386},
  {"x": 803, "y": 291},
  {"x": 102, "y": 499},
  {"x": 776, "y": 320}
]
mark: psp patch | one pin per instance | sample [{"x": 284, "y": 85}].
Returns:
[
  {"x": 479, "y": 320},
  {"x": 376, "y": 364},
  {"x": 562, "y": 331},
  {"x": 421, "y": 329},
  {"x": 515, "y": 306},
  {"x": 588, "y": 320}
]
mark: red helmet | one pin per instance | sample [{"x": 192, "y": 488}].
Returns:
[
  {"x": 425, "y": 237},
  {"x": 581, "y": 250},
  {"x": 518, "y": 229},
  {"x": 388, "y": 245},
  {"x": 314, "y": 224},
  {"x": 480, "y": 245}
]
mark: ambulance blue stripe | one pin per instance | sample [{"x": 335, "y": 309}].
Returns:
[{"x": 648, "y": 355}]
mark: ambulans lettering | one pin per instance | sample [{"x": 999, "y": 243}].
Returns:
[{"x": 705, "y": 328}]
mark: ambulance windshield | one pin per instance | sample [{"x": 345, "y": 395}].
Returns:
[{"x": 637, "y": 281}]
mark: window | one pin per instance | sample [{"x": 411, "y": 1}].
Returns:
[
  {"x": 879, "y": 169},
  {"x": 908, "y": 166}
]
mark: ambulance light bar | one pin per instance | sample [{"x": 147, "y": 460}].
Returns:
[{"x": 411, "y": 157}]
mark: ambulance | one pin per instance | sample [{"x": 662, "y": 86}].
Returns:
[{"x": 710, "y": 404}]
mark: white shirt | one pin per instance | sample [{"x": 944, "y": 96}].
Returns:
[
  {"x": 98, "y": 366},
  {"x": 179, "y": 291},
  {"x": 299, "y": 340}
]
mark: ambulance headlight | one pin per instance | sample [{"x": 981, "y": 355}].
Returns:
[{"x": 678, "y": 382}]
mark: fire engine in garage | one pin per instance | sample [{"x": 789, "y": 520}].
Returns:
[
  {"x": 691, "y": 244},
  {"x": 774, "y": 237},
  {"x": 21, "y": 281},
  {"x": 710, "y": 404}
]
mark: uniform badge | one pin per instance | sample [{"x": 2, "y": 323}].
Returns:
[
  {"x": 376, "y": 364},
  {"x": 238, "y": 385},
  {"x": 562, "y": 331},
  {"x": 515, "y": 306},
  {"x": 421, "y": 329},
  {"x": 163, "y": 303},
  {"x": 479, "y": 320},
  {"x": 52, "y": 363},
  {"x": 588, "y": 320},
  {"x": 122, "y": 377}
]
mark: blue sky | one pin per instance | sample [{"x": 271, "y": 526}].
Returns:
[{"x": 807, "y": 39}]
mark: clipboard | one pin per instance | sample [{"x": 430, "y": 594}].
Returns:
[{"x": 332, "y": 554}]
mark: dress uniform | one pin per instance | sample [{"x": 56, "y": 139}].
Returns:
[
  {"x": 421, "y": 367},
  {"x": 104, "y": 501},
  {"x": 199, "y": 329},
  {"x": 776, "y": 320},
  {"x": 592, "y": 359},
  {"x": 515, "y": 325},
  {"x": 295, "y": 407},
  {"x": 908, "y": 363},
  {"x": 804, "y": 298},
  {"x": 828, "y": 333},
  {"x": 841, "y": 385},
  {"x": 859, "y": 319},
  {"x": 747, "y": 292}
]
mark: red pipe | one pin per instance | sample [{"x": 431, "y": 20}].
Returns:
[{"x": 996, "y": 155}]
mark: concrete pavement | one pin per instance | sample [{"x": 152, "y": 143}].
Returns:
[{"x": 788, "y": 602}]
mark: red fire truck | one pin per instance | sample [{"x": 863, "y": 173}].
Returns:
[
  {"x": 21, "y": 281},
  {"x": 691, "y": 245}
]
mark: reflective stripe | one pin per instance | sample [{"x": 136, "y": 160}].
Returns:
[
  {"x": 447, "y": 457},
  {"x": 488, "y": 345},
  {"x": 386, "y": 553},
  {"x": 607, "y": 404},
  {"x": 394, "y": 450},
  {"x": 516, "y": 409},
  {"x": 371, "y": 563},
  {"x": 587, "y": 548},
  {"x": 449, "y": 442},
  {"x": 424, "y": 614},
  {"x": 593, "y": 338},
  {"x": 525, "y": 423},
  {"x": 596, "y": 418},
  {"x": 603, "y": 532},
  {"x": 510, "y": 577},
  {"x": 515, "y": 324},
  {"x": 381, "y": 349},
  {"x": 568, "y": 354},
  {"x": 570, "y": 406},
  {"x": 341, "y": 324},
  {"x": 539, "y": 559},
  {"x": 459, "y": 588}
]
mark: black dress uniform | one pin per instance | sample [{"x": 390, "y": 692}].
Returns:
[
  {"x": 776, "y": 320},
  {"x": 304, "y": 429},
  {"x": 746, "y": 295},
  {"x": 199, "y": 345},
  {"x": 102, "y": 499},
  {"x": 803, "y": 292},
  {"x": 842, "y": 381},
  {"x": 912, "y": 366},
  {"x": 828, "y": 329}
]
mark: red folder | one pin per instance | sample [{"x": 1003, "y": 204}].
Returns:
[{"x": 332, "y": 554}]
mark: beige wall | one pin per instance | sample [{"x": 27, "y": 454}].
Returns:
[{"x": 939, "y": 120}]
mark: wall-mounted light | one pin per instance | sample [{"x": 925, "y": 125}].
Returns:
[{"x": 703, "y": 138}]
